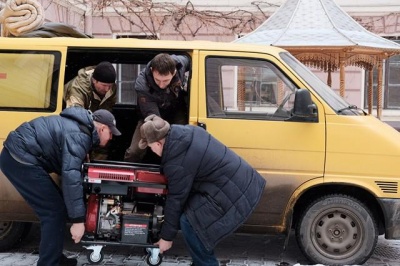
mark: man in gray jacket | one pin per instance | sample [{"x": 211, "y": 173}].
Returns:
[
  {"x": 161, "y": 90},
  {"x": 211, "y": 190},
  {"x": 55, "y": 144}
]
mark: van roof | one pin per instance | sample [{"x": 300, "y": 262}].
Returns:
[{"x": 20, "y": 43}]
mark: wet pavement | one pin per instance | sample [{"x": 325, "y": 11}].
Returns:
[{"x": 236, "y": 250}]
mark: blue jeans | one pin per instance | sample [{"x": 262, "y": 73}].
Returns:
[
  {"x": 43, "y": 195},
  {"x": 200, "y": 255}
]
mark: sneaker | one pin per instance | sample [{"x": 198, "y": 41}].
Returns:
[{"x": 65, "y": 261}]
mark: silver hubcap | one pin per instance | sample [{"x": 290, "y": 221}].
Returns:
[{"x": 337, "y": 234}]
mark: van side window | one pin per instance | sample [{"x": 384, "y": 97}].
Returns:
[
  {"x": 29, "y": 80},
  {"x": 243, "y": 88}
]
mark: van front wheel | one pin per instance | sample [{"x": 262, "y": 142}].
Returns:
[{"x": 337, "y": 230}]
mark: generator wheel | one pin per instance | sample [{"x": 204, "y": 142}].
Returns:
[
  {"x": 153, "y": 263},
  {"x": 95, "y": 259}
]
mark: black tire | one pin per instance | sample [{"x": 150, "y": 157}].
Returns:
[
  {"x": 158, "y": 262},
  {"x": 27, "y": 230},
  {"x": 93, "y": 260},
  {"x": 337, "y": 230},
  {"x": 11, "y": 233}
]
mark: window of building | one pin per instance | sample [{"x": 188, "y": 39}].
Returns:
[
  {"x": 29, "y": 80},
  {"x": 391, "y": 84},
  {"x": 239, "y": 88}
]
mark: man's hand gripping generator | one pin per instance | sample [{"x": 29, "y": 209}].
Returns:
[{"x": 124, "y": 207}]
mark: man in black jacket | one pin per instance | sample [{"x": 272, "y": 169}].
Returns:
[
  {"x": 55, "y": 144},
  {"x": 160, "y": 89},
  {"x": 211, "y": 190}
]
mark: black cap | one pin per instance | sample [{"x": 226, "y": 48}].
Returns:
[
  {"x": 104, "y": 72},
  {"x": 105, "y": 117}
]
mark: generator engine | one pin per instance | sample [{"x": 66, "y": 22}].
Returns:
[
  {"x": 124, "y": 207},
  {"x": 109, "y": 221},
  {"x": 114, "y": 218}
]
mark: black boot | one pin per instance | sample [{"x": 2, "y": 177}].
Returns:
[{"x": 64, "y": 261}]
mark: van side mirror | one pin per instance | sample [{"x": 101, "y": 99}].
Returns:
[{"x": 304, "y": 109}]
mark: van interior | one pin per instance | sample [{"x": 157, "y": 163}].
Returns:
[{"x": 128, "y": 65}]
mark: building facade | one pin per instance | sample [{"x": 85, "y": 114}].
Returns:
[{"x": 226, "y": 20}]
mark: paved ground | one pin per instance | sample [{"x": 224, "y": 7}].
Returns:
[{"x": 237, "y": 250}]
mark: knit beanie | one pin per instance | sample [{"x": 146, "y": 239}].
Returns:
[
  {"x": 153, "y": 129},
  {"x": 104, "y": 72}
]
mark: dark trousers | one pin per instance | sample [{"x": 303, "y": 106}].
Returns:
[
  {"x": 42, "y": 194},
  {"x": 134, "y": 153},
  {"x": 200, "y": 255}
]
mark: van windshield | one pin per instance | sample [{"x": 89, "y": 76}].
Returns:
[{"x": 336, "y": 102}]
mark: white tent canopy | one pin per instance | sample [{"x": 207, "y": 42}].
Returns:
[
  {"x": 314, "y": 23},
  {"x": 320, "y": 34}
]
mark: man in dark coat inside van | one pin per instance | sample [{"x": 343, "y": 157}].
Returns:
[
  {"x": 55, "y": 144},
  {"x": 211, "y": 190},
  {"x": 160, "y": 89}
]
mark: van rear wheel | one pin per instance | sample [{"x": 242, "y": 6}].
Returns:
[
  {"x": 337, "y": 230},
  {"x": 11, "y": 233}
]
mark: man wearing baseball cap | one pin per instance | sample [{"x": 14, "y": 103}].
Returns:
[
  {"x": 106, "y": 118},
  {"x": 93, "y": 88},
  {"x": 55, "y": 144},
  {"x": 211, "y": 190}
]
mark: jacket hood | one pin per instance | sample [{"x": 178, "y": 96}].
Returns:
[
  {"x": 83, "y": 117},
  {"x": 177, "y": 142},
  {"x": 79, "y": 114}
]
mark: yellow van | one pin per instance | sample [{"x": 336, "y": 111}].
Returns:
[{"x": 332, "y": 171}]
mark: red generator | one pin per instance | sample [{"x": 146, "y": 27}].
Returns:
[{"x": 124, "y": 207}]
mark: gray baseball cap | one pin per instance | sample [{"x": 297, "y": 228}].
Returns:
[{"x": 107, "y": 118}]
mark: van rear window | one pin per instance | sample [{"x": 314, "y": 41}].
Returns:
[{"x": 28, "y": 80}]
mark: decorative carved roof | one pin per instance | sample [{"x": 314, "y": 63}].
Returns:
[{"x": 316, "y": 23}]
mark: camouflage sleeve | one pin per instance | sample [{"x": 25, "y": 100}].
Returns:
[{"x": 78, "y": 91}]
